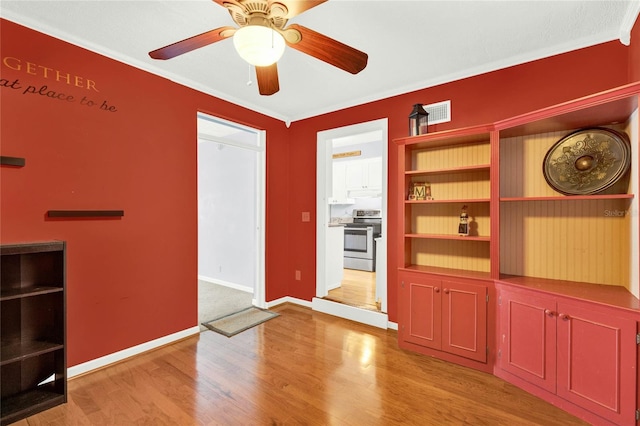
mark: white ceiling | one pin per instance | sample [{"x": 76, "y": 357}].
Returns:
[{"x": 411, "y": 44}]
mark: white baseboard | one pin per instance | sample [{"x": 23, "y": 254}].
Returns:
[
  {"x": 129, "y": 352},
  {"x": 289, "y": 299},
  {"x": 364, "y": 316},
  {"x": 226, "y": 284},
  {"x": 376, "y": 319}
]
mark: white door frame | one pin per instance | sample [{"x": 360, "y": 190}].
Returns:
[
  {"x": 259, "y": 292},
  {"x": 323, "y": 187}
]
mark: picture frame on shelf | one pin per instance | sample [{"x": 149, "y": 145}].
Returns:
[{"x": 420, "y": 191}]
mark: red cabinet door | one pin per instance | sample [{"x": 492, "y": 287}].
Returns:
[
  {"x": 464, "y": 319},
  {"x": 596, "y": 361},
  {"x": 422, "y": 312},
  {"x": 528, "y": 337}
]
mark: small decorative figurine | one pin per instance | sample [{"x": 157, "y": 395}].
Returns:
[{"x": 463, "y": 226}]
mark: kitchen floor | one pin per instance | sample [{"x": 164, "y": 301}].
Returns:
[{"x": 358, "y": 289}]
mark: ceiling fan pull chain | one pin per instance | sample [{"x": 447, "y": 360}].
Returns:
[{"x": 249, "y": 83}]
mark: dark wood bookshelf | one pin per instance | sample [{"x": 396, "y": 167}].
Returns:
[{"x": 33, "y": 364}]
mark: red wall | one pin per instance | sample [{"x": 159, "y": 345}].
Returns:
[{"x": 134, "y": 279}]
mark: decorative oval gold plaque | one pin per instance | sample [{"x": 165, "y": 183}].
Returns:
[{"x": 587, "y": 161}]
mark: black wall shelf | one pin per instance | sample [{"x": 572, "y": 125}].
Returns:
[
  {"x": 85, "y": 213},
  {"x": 12, "y": 161}
]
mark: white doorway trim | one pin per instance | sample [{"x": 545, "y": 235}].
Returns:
[
  {"x": 324, "y": 187},
  {"x": 259, "y": 292}
]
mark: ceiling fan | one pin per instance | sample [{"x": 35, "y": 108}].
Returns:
[{"x": 262, "y": 36}]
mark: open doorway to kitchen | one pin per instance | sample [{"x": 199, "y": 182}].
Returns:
[
  {"x": 351, "y": 228},
  {"x": 231, "y": 193}
]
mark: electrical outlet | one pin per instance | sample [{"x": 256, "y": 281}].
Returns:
[
  {"x": 306, "y": 216},
  {"x": 298, "y": 274}
]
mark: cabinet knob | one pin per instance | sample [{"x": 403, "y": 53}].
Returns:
[
  {"x": 446, "y": 291},
  {"x": 436, "y": 289},
  {"x": 549, "y": 312},
  {"x": 564, "y": 317}
]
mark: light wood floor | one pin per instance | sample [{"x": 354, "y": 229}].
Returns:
[
  {"x": 301, "y": 368},
  {"x": 358, "y": 289}
]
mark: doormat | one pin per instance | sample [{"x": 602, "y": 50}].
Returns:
[{"x": 232, "y": 324}]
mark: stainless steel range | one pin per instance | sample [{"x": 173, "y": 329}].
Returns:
[{"x": 359, "y": 244}]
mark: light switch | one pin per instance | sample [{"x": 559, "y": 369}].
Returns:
[{"x": 306, "y": 216}]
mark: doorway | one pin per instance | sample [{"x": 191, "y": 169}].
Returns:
[
  {"x": 231, "y": 193},
  {"x": 351, "y": 153}
]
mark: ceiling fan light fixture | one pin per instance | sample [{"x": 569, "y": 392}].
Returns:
[{"x": 259, "y": 45}]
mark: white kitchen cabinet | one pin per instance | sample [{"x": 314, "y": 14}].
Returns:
[
  {"x": 354, "y": 175},
  {"x": 364, "y": 175},
  {"x": 374, "y": 173},
  {"x": 359, "y": 178},
  {"x": 339, "y": 184}
]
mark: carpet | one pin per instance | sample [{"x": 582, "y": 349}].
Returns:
[
  {"x": 216, "y": 301},
  {"x": 232, "y": 324}
]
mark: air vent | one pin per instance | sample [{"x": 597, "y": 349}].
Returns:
[{"x": 439, "y": 112}]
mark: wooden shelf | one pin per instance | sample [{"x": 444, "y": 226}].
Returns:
[
  {"x": 19, "y": 293},
  {"x": 30, "y": 402},
  {"x": 22, "y": 350},
  {"x": 448, "y": 272},
  {"x": 611, "y": 106},
  {"x": 452, "y": 170},
  {"x": 463, "y": 201},
  {"x": 465, "y": 135},
  {"x": 37, "y": 247},
  {"x": 570, "y": 197},
  {"x": 611, "y": 295},
  {"x": 458, "y": 166},
  {"x": 12, "y": 161},
  {"x": 448, "y": 237},
  {"x": 85, "y": 213}
]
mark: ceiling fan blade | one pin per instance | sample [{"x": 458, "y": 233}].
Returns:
[
  {"x": 192, "y": 43},
  {"x": 295, "y": 7},
  {"x": 268, "y": 79},
  {"x": 328, "y": 50}
]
